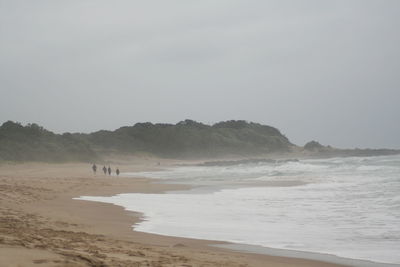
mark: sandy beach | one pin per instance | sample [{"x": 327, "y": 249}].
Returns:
[{"x": 42, "y": 225}]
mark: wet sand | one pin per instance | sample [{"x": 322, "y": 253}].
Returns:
[{"x": 42, "y": 225}]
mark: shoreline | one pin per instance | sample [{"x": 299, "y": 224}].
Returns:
[
  {"x": 304, "y": 255},
  {"x": 255, "y": 249},
  {"x": 40, "y": 219}
]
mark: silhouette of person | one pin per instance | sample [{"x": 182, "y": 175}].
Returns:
[
  {"x": 94, "y": 168},
  {"x": 109, "y": 170},
  {"x": 104, "y": 170},
  {"x": 117, "y": 171}
]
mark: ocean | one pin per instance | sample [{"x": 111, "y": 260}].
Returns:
[{"x": 347, "y": 207}]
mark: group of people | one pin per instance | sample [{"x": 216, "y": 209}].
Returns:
[{"x": 105, "y": 170}]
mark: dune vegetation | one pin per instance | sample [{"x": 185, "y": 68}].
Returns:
[{"x": 185, "y": 139}]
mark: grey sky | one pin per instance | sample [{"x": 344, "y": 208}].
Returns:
[{"x": 324, "y": 70}]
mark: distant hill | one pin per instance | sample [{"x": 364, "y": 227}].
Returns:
[
  {"x": 185, "y": 139},
  {"x": 32, "y": 142},
  {"x": 315, "y": 149},
  {"x": 190, "y": 138}
]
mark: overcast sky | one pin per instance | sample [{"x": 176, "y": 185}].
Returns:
[{"x": 323, "y": 70}]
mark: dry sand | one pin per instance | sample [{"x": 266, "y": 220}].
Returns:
[{"x": 41, "y": 224}]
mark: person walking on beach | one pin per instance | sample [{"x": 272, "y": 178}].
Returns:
[
  {"x": 109, "y": 170},
  {"x": 94, "y": 168},
  {"x": 117, "y": 171},
  {"x": 105, "y": 170}
]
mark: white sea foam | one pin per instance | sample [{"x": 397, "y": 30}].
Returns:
[{"x": 349, "y": 207}]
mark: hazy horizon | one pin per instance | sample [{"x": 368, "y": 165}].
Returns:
[{"x": 316, "y": 70}]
